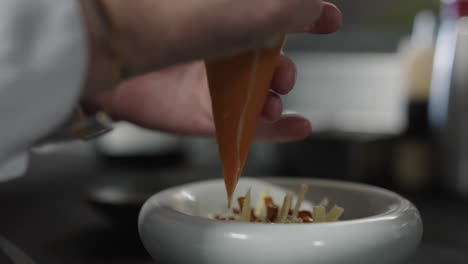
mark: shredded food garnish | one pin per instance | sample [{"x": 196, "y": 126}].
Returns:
[{"x": 266, "y": 211}]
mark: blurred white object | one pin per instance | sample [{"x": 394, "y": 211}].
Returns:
[
  {"x": 359, "y": 93},
  {"x": 43, "y": 63},
  {"x": 14, "y": 167},
  {"x": 128, "y": 139},
  {"x": 424, "y": 27}
]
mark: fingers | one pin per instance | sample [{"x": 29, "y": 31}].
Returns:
[
  {"x": 155, "y": 34},
  {"x": 272, "y": 109},
  {"x": 329, "y": 21},
  {"x": 284, "y": 76},
  {"x": 288, "y": 128},
  {"x": 282, "y": 83}
]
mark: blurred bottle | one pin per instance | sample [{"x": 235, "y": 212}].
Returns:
[
  {"x": 448, "y": 105},
  {"x": 418, "y": 54},
  {"x": 412, "y": 152}
]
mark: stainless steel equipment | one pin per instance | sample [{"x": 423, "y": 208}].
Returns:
[{"x": 448, "y": 106}]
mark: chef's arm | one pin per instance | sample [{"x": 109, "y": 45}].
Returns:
[{"x": 51, "y": 49}]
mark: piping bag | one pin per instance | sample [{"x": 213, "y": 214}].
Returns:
[{"x": 238, "y": 87}]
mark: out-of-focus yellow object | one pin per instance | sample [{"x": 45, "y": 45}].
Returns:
[
  {"x": 419, "y": 71},
  {"x": 418, "y": 56}
]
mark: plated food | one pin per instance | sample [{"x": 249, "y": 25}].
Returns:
[
  {"x": 266, "y": 211},
  {"x": 376, "y": 222},
  {"x": 238, "y": 87}
]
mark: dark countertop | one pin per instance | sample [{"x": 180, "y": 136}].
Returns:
[{"x": 46, "y": 213}]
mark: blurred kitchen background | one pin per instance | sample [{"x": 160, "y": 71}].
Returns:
[{"x": 387, "y": 96}]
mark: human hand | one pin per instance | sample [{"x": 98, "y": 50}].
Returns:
[
  {"x": 176, "y": 99},
  {"x": 152, "y": 34}
]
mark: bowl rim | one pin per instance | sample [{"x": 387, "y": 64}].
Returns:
[{"x": 404, "y": 204}]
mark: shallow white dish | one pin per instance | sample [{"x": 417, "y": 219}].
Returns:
[{"x": 378, "y": 226}]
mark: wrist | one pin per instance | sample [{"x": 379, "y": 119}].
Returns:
[
  {"x": 103, "y": 62},
  {"x": 122, "y": 21},
  {"x": 104, "y": 73}
]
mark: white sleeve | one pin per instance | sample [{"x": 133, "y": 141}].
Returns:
[{"x": 43, "y": 56}]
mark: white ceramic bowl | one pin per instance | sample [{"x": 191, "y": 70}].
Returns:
[{"x": 378, "y": 226}]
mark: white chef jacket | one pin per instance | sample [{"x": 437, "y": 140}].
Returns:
[{"x": 43, "y": 59}]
